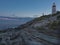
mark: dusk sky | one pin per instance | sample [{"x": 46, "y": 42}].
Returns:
[{"x": 26, "y": 8}]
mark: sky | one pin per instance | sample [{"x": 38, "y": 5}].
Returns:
[{"x": 26, "y": 8}]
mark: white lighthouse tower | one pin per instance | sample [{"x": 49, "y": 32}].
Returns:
[{"x": 53, "y": 8}]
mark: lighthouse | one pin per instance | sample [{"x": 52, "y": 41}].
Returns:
[{"x": 54, "y": 8}]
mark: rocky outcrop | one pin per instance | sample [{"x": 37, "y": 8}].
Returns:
[{"x": 40, "y": 31}]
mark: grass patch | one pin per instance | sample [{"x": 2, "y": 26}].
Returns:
[
  {"x": 2, "y": 44},
  {"x": 58, "y": 17},
  {"x": 53, "y": 25},
  {"x": 42, "y": 17},
  {"x": 2, "y": 31},
  {"x": 40, "y": 28},
  {"x": 58, "y": 12}
]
